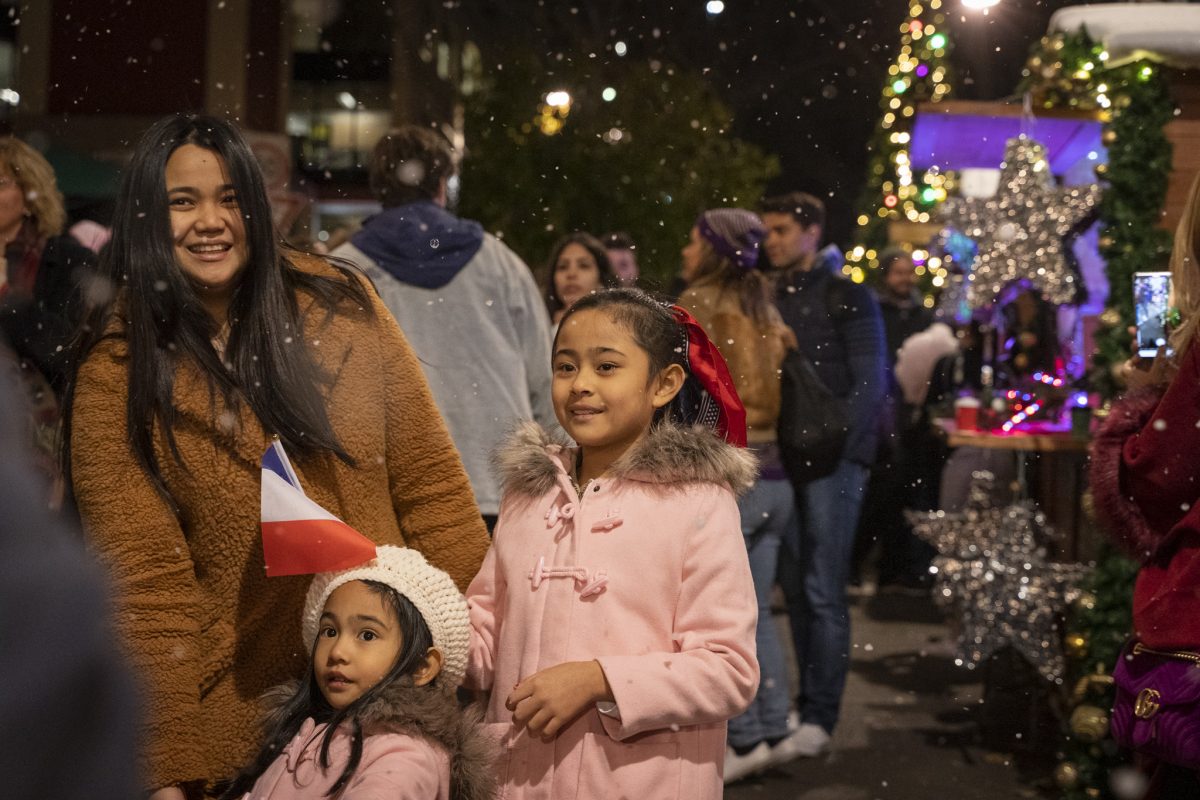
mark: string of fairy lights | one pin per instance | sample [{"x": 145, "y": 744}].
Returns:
[{"x": 920, "y": 74}]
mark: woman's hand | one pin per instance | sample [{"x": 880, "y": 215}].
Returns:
[
  {"x": 548, "y": 701},
  {"x": 168, "y": 793},
  {"x": 1136, "y": 373}
]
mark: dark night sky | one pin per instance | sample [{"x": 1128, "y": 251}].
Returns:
[{"x": 804, "y": 78}]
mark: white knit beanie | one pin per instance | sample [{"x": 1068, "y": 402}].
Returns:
[{"x": 430, "y": 590}]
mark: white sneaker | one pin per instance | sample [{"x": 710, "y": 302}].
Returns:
[
  {"x": 807, "y": 741},
  {"x": 799, "y": 743},
  {"x": 738, "y": 767}
]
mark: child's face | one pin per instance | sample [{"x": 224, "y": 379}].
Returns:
[
  {"x": 358, "y": 642},
  {"x": 603, "y": 395}
]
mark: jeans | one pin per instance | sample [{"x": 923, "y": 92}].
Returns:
[
  {"x": 768, "y": 516},
  {"x": 814, "y": 567}
]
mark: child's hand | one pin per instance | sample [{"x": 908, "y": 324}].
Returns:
[{"x": 547, "y": 701}]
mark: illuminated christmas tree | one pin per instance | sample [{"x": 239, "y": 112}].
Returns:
[{"x": 920, "y": 74}]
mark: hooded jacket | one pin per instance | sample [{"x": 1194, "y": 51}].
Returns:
[
  {"x": 417, "y": 745},
  {"x": 1143, "y": 483},
  {"x": 471, "y": 311},
  {"x": 207, "y": 629},
  {"x": 647, "y": 574}
]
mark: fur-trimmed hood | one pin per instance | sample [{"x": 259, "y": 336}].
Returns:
[
  {"x": 530, "y": 460},
  {"x": 425, "y": 713}
]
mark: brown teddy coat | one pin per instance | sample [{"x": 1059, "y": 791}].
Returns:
[
  {"x": 208, "y": 630},
  {"x": 753, "y": 355}
]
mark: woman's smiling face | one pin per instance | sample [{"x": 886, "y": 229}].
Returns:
[{"x": 206, "y": 222}]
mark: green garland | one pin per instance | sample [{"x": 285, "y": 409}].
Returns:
[{"x": 1071, "y": 70}]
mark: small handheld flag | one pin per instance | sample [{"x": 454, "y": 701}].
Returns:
[{"x": 299, "y": 536}]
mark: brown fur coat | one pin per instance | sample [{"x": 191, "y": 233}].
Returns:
[{"x": 208, "y": 631}]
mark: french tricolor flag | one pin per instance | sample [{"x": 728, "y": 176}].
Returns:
[{"x": 299, "y": 537}]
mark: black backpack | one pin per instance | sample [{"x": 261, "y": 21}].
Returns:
[{"x": 814, "y": 423}]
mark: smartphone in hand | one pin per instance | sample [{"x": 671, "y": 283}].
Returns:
[{"x": 1151, "y": 303}]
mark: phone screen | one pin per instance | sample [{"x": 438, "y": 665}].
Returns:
[{"x": 1151, "y": 298}]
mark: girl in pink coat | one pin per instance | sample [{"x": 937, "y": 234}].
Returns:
[
  {"x": 613, "y": 619},
  {"x": 376, "y": 718}
]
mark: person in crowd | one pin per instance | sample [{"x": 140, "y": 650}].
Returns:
[
  {"x": 839, "y": 329},
  {"x": 1143, "y": 481},
  {"x": 578, "y": 265},
  {"x": 70, "y": 706},
  {"x": 376, "y": 713},
  {"x": 901, "y": 305},
  {"x": 898, "y": 479},
  {"x": 731, "y": 300},
  {"x": 215, "y": 339},
  {"x": 622, "y": 254},
  {"x": 1030, "y": 342},
  {"x": 466, "y": 303},
  {"x": 40, "y": 293},
  {"x": 40, "y": 287},
  {"x": 613, "y": 619}
]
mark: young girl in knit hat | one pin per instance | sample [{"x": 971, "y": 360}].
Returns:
[
  {"x": 377, "y": 714},
  {"x": 613, "y": 619}
]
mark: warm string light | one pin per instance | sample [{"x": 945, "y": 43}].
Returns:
[{"x": 916, "y": 76}]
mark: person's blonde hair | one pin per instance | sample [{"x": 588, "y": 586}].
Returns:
[
  {"x": 1185, "y": 272},
  {"x": 35, "y": 177}
]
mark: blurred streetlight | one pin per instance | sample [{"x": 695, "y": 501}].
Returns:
[
  {"x": 979, "y": 5},
  {"x": 559, "y": 99},
  {"x": 714, "y": 7}
]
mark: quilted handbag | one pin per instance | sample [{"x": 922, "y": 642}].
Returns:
[{"x": 1157, "y": 706}]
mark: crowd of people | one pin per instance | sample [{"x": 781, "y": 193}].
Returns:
[{"x": 579, "y": 493}]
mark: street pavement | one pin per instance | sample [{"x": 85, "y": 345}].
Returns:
[{"x": 912, "y": 722}]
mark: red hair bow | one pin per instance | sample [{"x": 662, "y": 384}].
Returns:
[{"x": 707, "y": 366}]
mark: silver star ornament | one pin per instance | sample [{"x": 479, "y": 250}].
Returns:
[{"x": 1021, "y": 230}]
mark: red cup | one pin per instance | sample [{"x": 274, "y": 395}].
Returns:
[{"x": 966, "y": 414}]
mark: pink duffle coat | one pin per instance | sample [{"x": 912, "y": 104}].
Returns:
[{"x": 647, "y": 574}]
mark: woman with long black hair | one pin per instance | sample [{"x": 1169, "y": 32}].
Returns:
[{"x": 211, "y": 339}]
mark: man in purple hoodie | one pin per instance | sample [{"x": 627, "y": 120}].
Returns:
[{"x": 468, "y": 305}]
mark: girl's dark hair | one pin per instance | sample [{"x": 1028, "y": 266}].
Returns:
[
  {"x": 653, "y": 327},
  {"x": 265, "y": 363},
  {"x": 608, "y": 278},
  {"x": 283, "y": 725}
]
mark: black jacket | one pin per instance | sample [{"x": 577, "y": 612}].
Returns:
[{"x": 39, "y": 329}]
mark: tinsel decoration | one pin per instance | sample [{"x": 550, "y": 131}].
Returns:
[
  {"x": 1021, "y": 229},
  {"x": 993, "y": 573}
]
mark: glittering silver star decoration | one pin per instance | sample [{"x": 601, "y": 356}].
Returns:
[
  {"x": 1021, "y": 230},
  {"x": 992, "y": 572}
]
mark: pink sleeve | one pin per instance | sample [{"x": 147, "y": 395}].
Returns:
[
  {"x": 714, "y": 675},
  {"x": 398, "y": 767},
  {"x": 481, "y": 602}
]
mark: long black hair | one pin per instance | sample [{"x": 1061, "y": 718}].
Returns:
[
  {"x": 283, "y": 725},
  {"x": 654, "y": 329},
  {"x": 608, "y": 276},
  {"x": 265, "y": 362}
]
